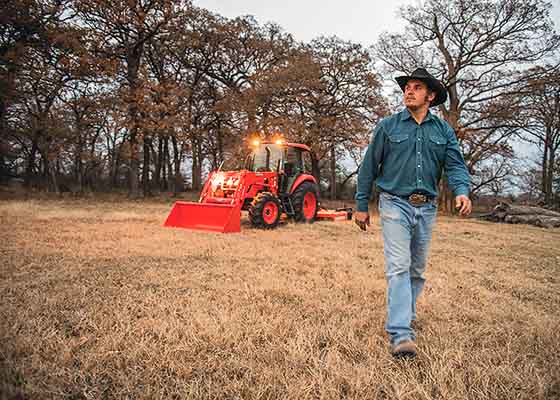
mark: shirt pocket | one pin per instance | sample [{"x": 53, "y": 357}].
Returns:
[
  {"x": 438, "y": 145},
  {"x": 398, "y": 141}
]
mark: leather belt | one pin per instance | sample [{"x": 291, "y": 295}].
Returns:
[{"x": 416, "y": 199}]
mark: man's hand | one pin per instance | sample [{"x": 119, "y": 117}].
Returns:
[
  {"x": 463, "y": 204},
  {"x": 361, "y": 218}
]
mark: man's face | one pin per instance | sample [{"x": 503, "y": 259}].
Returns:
[{"x": 417, "y": 95}]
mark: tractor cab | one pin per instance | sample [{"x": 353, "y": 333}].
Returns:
[{"x": 289, "y": 160}]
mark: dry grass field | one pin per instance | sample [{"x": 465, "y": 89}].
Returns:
[{"x": 99, "y": 301}]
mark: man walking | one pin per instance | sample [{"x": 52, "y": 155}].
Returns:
[{"x": 405, "y": 159}]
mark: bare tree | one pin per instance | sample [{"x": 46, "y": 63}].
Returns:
[
  {"x": 24, "y": 25},
  {"x": 39, "y": 56},
  {"x": 539, "y": 118},
  {"x": 87, "y": 106},
  {"x": 118, "y": 32},
  {"x": 476, "y": 48},
  {"x": 343, "y": 106}
]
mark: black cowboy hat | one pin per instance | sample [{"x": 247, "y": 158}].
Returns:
[{"x": 433, "y": 83}]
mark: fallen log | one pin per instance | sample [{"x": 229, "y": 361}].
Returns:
[
  {"x": 543, "y": 221},
  {"x": 551, "y": 222},
  {"x": 526, "y": 210},
  {"x": 531, "y": 215}
]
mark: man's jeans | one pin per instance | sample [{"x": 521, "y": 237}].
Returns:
[{"x": 407, "y": 231}]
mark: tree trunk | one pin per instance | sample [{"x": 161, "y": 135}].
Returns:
[
  {"x": 79, "y": 164},
  {"x": 164, "y": 165},
  {"x": 115, "y": 167},
  {"x": 333, "y": 172},
  {"x": 195, "y": 167},
  {"x": 49, "y": 173},
  {"x": 146, "y": 167},
  {"x": 446, "y": 200},
  {"x": 133, "y": 64},
  {"x": 198, "y": 159},
  {"x": 220, "y": 147},
  {"x": 170, "y": 173},
  {"x": 158, "y": 158},
  {"x": 94, "y": 168},
  {"x": 30, "y": 168},
  {"x": 56, "y": 173},
  {"x": 133, "y": 191},
  {"x": 545, "y": 164},
  {"x": 550, "y": 177},
  {"x": 442, "y": 199},
  {"x": 177, "y": 161},
  {"x": 315, "y": 169},
  {"x": 7, "y": 94},
  {"x": 450, "y": 202},
  {"x": 155, "y": 160},
  {"x": 54, "y": 181}
]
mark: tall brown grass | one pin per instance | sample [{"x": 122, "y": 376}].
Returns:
[{"x": 98, "y": 300}]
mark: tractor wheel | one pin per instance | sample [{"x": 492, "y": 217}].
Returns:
[
  {"x": 265, "y": 211},
  {"x": 306, "y": 202}
]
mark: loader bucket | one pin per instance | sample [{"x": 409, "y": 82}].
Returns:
[{"x": 205, "y": 217}]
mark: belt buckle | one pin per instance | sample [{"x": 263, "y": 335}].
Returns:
[{"x": 417, "y": 199}]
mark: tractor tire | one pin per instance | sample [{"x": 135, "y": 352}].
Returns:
[
  {"x": 265, "y": 211},
  {"x": 305, "y": 200}
]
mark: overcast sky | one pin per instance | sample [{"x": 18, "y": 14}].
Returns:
[{"x": 356, "y": 20}]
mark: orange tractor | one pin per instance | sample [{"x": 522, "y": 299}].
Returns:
[{"x": 276, "y": 180}]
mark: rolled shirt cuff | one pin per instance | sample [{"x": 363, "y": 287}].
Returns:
[
  {"x": 461, "y": 191},
  {"x": 362, "y": 206}
]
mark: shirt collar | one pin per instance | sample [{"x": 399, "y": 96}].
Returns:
[
  {"x": 429, "y": 117},
  {"x": 405, "y": 114}
]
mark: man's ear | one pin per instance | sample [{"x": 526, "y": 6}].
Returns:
[{"x": 432, "y": 96}]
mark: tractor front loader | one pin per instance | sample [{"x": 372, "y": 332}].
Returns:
[{"x": 276, "y": 180}]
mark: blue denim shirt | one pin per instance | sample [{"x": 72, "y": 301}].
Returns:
[{"x": 405, "y": 157}]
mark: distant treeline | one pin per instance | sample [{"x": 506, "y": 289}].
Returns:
[{"x": 148, "y": 95}]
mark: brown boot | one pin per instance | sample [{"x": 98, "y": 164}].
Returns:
[{"x": 406, "y": 348}]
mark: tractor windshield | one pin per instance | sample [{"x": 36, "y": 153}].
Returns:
[{"x": 266, "y": 157}]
